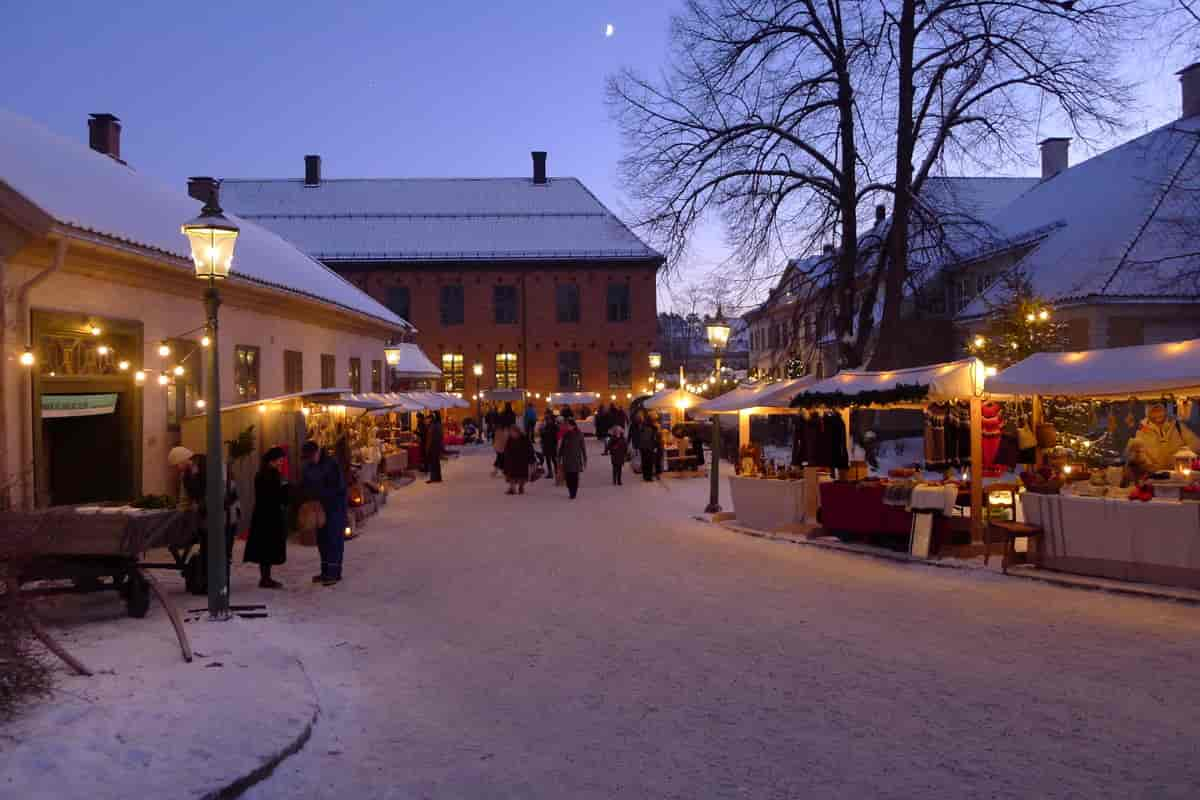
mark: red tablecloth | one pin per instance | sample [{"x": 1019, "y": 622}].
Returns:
[
  {"x": 858, "y": 508},
  {"x": 414, "y": 456}
]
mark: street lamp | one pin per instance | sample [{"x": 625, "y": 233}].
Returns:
[
  {"x": 477, "y": 370},
  {"x": 655, "y": 365},
  {"x": 718, "y": 336},
  {"x": 212, "y": 237}
]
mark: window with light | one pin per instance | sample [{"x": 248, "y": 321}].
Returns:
[
  {"x": 506, "y": 371},
  {"x": 452, "y": 372}
]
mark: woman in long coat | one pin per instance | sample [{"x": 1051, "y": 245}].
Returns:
[
  {"x": 267, "y": 543},
  {"x": 573, "y": 455},
  {"x": 518, "y": 455}
]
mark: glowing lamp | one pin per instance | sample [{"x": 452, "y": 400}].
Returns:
[
  {"x": 200, "y": 403},
  {"x": 1043, "y": 315},
  {"x": 27, "y": 358},
  {"x": 178, "y": 370},
  {"x": 717, "y": 330},
  {"x": 990, "y": 372},
  {"x": 123, "y": 365},
  {"x": 262, "y": 408},
  {"x": 391, "y": 354},
  {"x": 1068, "y": 469},
  {"x": 212, "y": 238},
  {"x": 163, "y": 380},
  {"x": 205, "y": 341},
  {"x": 96, "y": 330},
  {"x": 980, "y": 341},
  {"x": 655, "y": 361},
  {"x": 477, "y": 369},
  {"x": 1183, "y": 461},
  {"x": 139, "y": 376},
  {"x": 164, "y": 349},
  {"x": 306, "y": 411},
  {"x": 660, "y": 386},
  {"x": 1030, "y": 317}
]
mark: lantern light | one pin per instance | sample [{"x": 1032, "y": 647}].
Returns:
[
  {"x": 1184, "y": 459},
  {"x": 980, "y": 341},
  {"x": 718, "y": 331},
  {"x": 212, "y": 237},
  {"x": 200, "y": 403},
  {"x": 478, "y": 369},
  {"x": 1030, "y": 317},
  {"x": 262, "y": 408},
  {"x": 27, "y": 358},
  {"x": 123, "y": 365},
  {"x": 306, "y": 411},
  {"x": 164, "y": 349},
  {"x": 990, "y": 372},
  {"x": 96, "y": 330},
  {"x": 178, "y": 370},
  {"x": 1043, "y": 315},
  {"x": 139, "y": 376},
  {"x": 655, "y": 361},
  {"x": 660, "y": 386},
  {"x": 163, "y": 380},
  {"x": 391, "y": 354},
  {"x": 1068, "y": 469},
  {"x": 205, "y": 341},
  {"x": 629, "y": 395},
  {"x": 102, "y": 349}
]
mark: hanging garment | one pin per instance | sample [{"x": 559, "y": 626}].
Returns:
[
  {"x": 839, "y": 457},
  {"x": 817, "y": 443},
  {"x": 935, "y": 436},
  {"x": 799, "y": 440},
  {"x": 993, "y": 424}
]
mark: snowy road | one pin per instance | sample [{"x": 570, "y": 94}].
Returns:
[{"x": 485, "y": 646}]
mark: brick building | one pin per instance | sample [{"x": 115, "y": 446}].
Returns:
[{"x": 531, "y": 277}]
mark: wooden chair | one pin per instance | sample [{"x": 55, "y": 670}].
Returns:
[{"x": 1008, "y": 531}]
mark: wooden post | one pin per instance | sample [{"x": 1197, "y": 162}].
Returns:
[
  {"x": 977, "y": 521},
  {"x": 743, "y": 429},
  {"x": 1037, "y": 420}
]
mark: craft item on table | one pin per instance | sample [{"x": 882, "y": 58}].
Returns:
[
  {"x": 992, "y": 426},
  {"x": 935, "y": 435},
  {"x": 1144, "y": 493},
  {"x": 934, "y": 497}
]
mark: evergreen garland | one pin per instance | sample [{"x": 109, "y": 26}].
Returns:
[{"x": 906, "y": 393}]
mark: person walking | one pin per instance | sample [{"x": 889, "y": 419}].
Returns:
[
  {"x": 322, "y": 481},
  {"x": 489, "y": 421},
  {"x": 574, "y": 456},
  {"x": 435, "y": 445},
  {"x": 518, "y": 455},
  {"x": 618, "y": 451},
  {"x": 420, "y": 431},
  {"x": 531, "y": 419},
  {"x": 499, "y": 441},
  {"x": 550, "y": 442},
  {"x": 508, "y": 417},
  {"x": 267, "y": 543},
  {"x": 648, "y": 445}
]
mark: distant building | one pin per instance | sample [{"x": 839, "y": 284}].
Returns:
[{"x": 531, "y": 277}]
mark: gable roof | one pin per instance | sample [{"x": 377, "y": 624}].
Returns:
[
  {"x": 1121, "y": 225},
  {"x": 88, "y": 191},
  {"x": 438, "y": 219}
]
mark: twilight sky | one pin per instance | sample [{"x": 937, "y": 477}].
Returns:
[{"x": 378, "y": 88}]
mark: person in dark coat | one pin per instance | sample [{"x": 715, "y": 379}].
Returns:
[
  {"x": 518, "y": 455},
  {"x": 489, "y": 420},
  {"x": 648, "y": 440},
  {"x": 434, "y": 446},
  {"x": 267, "y": 542},
  {"x": 573, "y": 456},
  {"x": 618, "y": 451},
  {"x": 603, "y": 423},
  {"x": 322, "y": 480},
  {"x": 193, "y": 473},
  {"x": 550, "y": 442},
  {"x": 508, "y": 417},
  {"x": 421, "y": 430}
]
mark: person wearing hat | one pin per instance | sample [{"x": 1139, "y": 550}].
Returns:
[
  {"x": 192, "y": 469},
  {"x": 267, "y": 543},
  {"x": 1160, "y": 437},
  {"x": 322, "y": 480}
]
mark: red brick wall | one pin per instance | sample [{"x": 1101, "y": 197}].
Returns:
[{"x": 538, "y": 336}]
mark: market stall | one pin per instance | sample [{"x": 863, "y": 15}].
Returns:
[
  {"x": 763, "y": 498},
  {"x": 1091, "y": 519},
  {"x": 908, "y": 502},
  {"x": 679, "y": 450}
]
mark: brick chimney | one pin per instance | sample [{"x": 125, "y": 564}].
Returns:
[
  {"x": 203, "y": 188},
  {"x": 1189, "y": 80},
  {"x": 1055, "y": 155},
  {"x": 880, "y": 214},
  {"x": 312, "y": 170},
  {"x": 104, "y": 135},
  {"x": 539, "y": 166}
]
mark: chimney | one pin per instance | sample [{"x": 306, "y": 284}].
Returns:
[
  {"x": 104, "y": 135},
  {"x": 539, "y": 166},
  {"x": 1189, "y": 79},
  {"x": 1054, "y": 155},
  {"x": 880, "y": 214},
  {"x": 204, "y": 189},
  {"x": 827, "y": 250},
  {"x": 312, "y": 170}
]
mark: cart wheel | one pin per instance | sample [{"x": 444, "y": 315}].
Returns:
[{"x": 138, "y": 601}]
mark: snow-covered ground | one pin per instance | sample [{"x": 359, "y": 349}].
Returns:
[{"x": 487, "y": 646}]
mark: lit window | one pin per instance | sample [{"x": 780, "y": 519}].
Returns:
[
  {"x": 506, "y": 371},
  {"x": 452, "y": 372}
]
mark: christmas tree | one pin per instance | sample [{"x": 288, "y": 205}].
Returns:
[{"x": 1019, "y": 324}]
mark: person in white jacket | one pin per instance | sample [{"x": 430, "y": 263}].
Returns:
[{"x": 1162, "y": 437}]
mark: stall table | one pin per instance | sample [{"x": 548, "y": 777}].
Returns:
[
  {"x": 1155, "y": 542},
  {"x": 767, "y": 503}
]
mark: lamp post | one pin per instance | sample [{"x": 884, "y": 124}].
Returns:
[
  {"x": 212, "y": 237},
  {"x": 655, "y": 365},
  {"x": 391, "y": 356},
  {"x": 477, "y": 369},
  {"x": 718, "y": 336}
]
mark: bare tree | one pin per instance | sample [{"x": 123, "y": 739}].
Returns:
[{"x": 755, "y": 121}]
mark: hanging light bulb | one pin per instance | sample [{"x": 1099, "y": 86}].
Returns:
[
  {"x": 164, "y": 349},
  {"x": 980, "y": 341},
  {"x": 96, "y": 330},
  {"x": 102, "y": 349},
  {"x": 163, "y": 380},
  {"x": 139, "y": 376},
  {"x": 27, "y": 358},
  {"x": 1030, "y": 317},
  {"x": 262, "y": 408},
  {"x": 123, "y": 365},
  {"x": 205, "y": 341},
  {"x": 1043, "y": 315},
  {"x": 200, "y": 403},
  {"x": 178, "y": 370}
]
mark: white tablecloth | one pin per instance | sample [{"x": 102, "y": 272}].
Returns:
[
  {"x": 1118, "y": 537},
  {"x": 767, "y": 504}
]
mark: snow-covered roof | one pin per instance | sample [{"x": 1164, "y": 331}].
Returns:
[
  {"x": 946, "y": 381},
  {"x": 1115, "y": 372},
  {"x": 761, "y": 395},
  {"x": 410, "y": 361},
  {"x": 671, "y": 399},
  {"x": 86, "y": 190},
  {"x": 433, "y": 219},
  {"x": 1118, "y": 226}
]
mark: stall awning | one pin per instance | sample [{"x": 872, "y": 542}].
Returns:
[
  {"x": 760, "y": 395},
  {"x": 1145, "y": 370},
  {"x": 56, "y": 406},
  {"x": 673, "y": 399},
  {"x": 573, "y": 398},
  {"x": 504, "y": 395},
  {"x": 947, "y": 381},
  {"x": 436, "y": 401},
  {"x": 408, "y": 361}
]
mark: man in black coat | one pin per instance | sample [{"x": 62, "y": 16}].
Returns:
[
  {"x": 434, "y": 446},
  {"x": 550, "y": 442}
]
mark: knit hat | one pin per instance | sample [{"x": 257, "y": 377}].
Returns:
[{"x": 179, "y": 455}]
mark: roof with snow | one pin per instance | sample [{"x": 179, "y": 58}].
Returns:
[
  {"x": 1143, "y": 370},
  {"x": 86, "y": 190},
  {"x": 438, "y": 219},
  {"x": 1120, "y": 226}
]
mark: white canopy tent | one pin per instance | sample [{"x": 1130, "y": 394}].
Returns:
[
  {"x": 1148, "y": 370},
  {"x": 952, "y": 380},
  {"x": 673, "y": 400},
  {"x": 573, "y": 398},
  {"x": 756, "y": 399},
  {"x": 504, "y": 395},
  {"x": 407, "y": 360}
]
